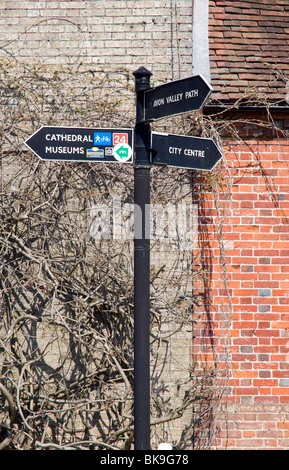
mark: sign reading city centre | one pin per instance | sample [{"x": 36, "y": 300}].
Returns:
[
  {"x": 195, "y": 153},
  {"x": 82, "y": 144}
]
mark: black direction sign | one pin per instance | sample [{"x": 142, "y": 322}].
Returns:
[
  {"x": 82, "y": 144},
  {"x": 195, "y": 153},
  {"x": 177, "y": 97}
]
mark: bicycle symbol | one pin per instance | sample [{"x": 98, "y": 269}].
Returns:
[{"x": 103, "y": 138}]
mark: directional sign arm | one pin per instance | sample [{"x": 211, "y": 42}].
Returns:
[
  {"x": 82, "y": 144},
  {"x": 177, "y": 97},
  {"x": 194, "y": 153}
]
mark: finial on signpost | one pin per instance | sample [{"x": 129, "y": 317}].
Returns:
[{"x": 142, "y": 79}]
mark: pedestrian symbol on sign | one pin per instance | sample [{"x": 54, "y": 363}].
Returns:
[{"x": 102, "y": 138}]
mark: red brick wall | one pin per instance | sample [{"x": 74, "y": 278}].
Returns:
[{"x": 242, "y": 327}]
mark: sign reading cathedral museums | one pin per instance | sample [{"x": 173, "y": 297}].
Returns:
[{"x": 82, "y": 144}]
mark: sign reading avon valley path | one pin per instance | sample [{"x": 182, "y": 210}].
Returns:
[
  {"x": 177, "y": 97},
  {"x": 195, "y": 153},
  {"x": 82, "y": 144}
]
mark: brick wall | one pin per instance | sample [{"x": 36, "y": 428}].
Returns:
[
  {"x": 242, "y": 322},
  {"x": 110, "y": 34}
]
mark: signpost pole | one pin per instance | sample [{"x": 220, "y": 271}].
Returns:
[{"x": 141, "y": 268}]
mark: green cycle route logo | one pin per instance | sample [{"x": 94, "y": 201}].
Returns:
[{"x": 122, "y": 152}]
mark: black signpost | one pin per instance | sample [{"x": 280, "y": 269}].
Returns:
[
  {"x": 142, "y": 270},
  {"x": 116, "y": 145}
]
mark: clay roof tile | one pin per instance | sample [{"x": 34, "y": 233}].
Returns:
[{"x": 249, "y": 48}]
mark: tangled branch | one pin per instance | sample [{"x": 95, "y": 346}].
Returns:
[{"x": 66, "y": 324}]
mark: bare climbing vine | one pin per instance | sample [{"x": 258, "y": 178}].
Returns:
[{"x": 66, "y": 324}]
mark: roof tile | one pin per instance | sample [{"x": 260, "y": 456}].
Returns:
[{"x": 249, "y": 45}]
